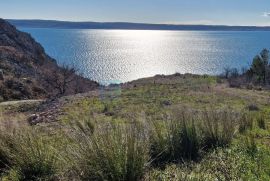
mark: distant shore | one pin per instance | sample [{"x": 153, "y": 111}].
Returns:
[{"x": 130, "y": 26}]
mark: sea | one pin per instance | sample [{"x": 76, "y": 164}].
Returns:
[{"x": 118, "y": 56}]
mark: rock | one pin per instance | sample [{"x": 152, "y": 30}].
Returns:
[
  {"x": 166, "y": 103},
  {"x": 32, "y": 119},
  {"x": 109, "y": 113}
]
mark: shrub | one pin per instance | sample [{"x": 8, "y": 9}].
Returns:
[
  {"x": 259, "y": 66},
  {"x": 4, "y": 154},
  {"x": 159, "y": 140},
  {"x": 245, "y": 123},
  {"x": 250, "y": 146},
  {"x": 253, "y": 107},
  {"x": 261, "y": 122},
  {"x": 30, "y": 156},
  {"x": 218, "y": 128},
  {"x": 114, "y": 152},
  {"x": 173, "y": 140},
  {"x": 259, "y": 72},
  {"x": 190, "y": 143},
  {"x": 227, "y": 72}
]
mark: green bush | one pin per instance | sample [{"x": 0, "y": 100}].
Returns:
[
  {"x": 30, "y": 156},
  {"x": 250, "y": 146},
  {"x": 261, "y": 122},
  {"x": 114, "y": 152},
  {"x": 122, "y": 150},
  {"x": 234, "y": 163},
  {"x": 174, "y": 140},
  {"x": 260, "y": 66},
  {"x": 183, "y": 138},
  {"x": 190, "y": 141},
  {"x": 4, "y": 153},
  {"x": 245, "y": 123},
  {"x": 218, "y": 128}
]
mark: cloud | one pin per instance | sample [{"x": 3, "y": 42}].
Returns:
[{"x": 266, "y": 14}]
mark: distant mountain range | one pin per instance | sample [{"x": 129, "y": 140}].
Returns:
[{"x": 128, "y": 26}]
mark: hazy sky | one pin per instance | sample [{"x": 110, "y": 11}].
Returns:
[{"x": 229, "y": 12}]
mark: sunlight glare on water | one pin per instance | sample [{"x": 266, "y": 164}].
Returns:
[{"x": 125, "y": 55}]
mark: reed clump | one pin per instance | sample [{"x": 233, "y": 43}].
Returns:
[{"x": 92, "y": 150}]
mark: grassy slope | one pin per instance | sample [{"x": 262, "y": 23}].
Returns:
[
  {"x": 153, "y": 97},
  {"x": 248, "y": 156},
  {"x": 156, "y": 96}
]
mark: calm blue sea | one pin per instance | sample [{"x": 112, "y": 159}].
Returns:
[{"x": 124, "y": 55}]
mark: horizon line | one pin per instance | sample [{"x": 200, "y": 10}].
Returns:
[{"x": 174, "y": 24}]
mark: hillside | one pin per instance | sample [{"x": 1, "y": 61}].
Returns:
[
  {"x": 177, "y": 127},
  {"x": 27, "y": 72}
]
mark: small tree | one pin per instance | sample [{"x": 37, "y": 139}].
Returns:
[
  {"x": 259, "y": 66},
  {"x": 234, "y": 73},
  {"x": 61, "y": 79},
  {"x": 227, "y": 72}
]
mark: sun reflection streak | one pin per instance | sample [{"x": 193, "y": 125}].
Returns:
[{"x": 125, "y": 55}]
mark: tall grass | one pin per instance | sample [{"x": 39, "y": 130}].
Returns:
[
  {"x": 114, "y": 152},
  {"x": 173, "y": 140},
  {"x": 261, "y": 122},
  {"x": 28, "y": 156},
  {"x": 188, "y": 134},
  {"x": 190, "y": 140},
  {"x": 245, "y": 123},
  {"x": 218, "y": 128},
  {"x": 4, "y": 153}
]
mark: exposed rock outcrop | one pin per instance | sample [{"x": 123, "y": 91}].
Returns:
[{"x": 28, "y": 72}]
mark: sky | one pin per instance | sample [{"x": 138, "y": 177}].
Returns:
[{"x": 214, "y": 12}]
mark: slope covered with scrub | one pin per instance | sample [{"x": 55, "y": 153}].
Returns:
[
  {"x": 177, "y": 127},
  {"x": 27, "y": 72}
]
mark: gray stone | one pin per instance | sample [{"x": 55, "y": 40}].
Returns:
[{"x": 167, "y": 103}]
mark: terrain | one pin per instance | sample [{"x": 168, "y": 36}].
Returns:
[
  {"x": 236, "y": 121},
  {"x": 27, "y": 72}
]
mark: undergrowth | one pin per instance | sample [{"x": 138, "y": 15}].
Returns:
[{"x": 186, "y": 144}]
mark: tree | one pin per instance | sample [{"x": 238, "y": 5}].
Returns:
[
  {"x": 260, "y": 67},
  {"x": 61, "y": 79},
  {"x": 265, "y": 56},
  {"x": 227, "y": 72}
]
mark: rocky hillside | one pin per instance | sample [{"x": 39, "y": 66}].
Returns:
[{"x": 27, "y": 72}]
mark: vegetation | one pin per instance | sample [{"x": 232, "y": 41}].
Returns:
[
  {"x": 257, "y": 74},
  {"x": 260, "y": 67},
  {"x": 27, "y": 72},
  {"x": 170, "y": 130},
  {"x": 197, "y": 146},
  {"x": 177, "y": 127}
]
